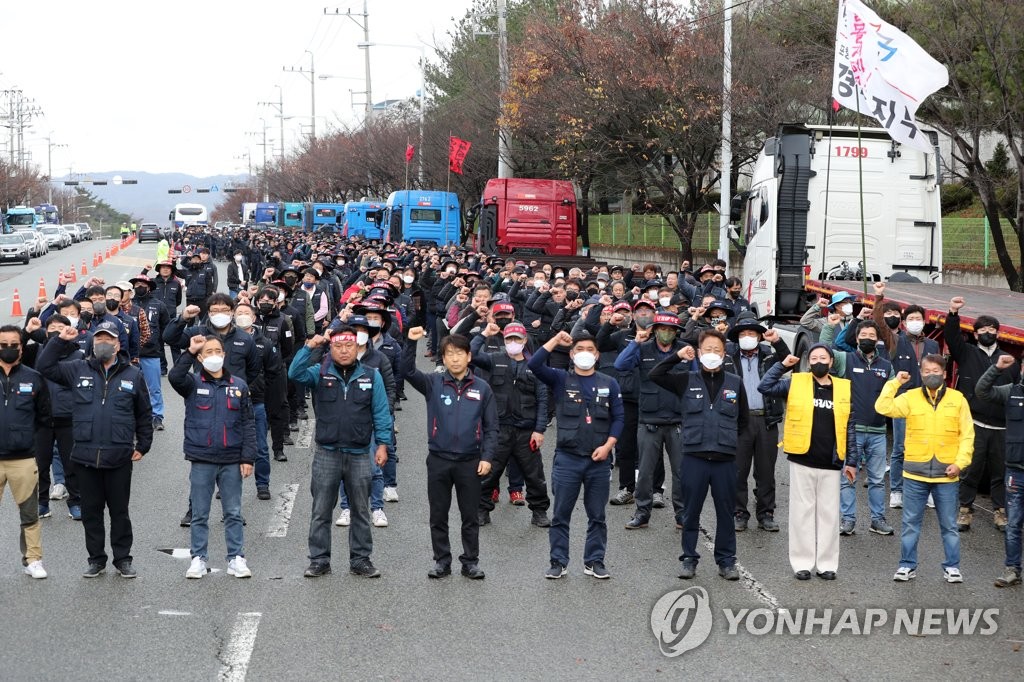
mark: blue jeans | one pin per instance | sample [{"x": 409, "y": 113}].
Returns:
[
  {"x": 58, "y": 468},
  {"x": 1014, "y": 515},
  {"x": 330, "y": 467},
  {"x": 899, "y": 434},
  {"x": 228, "y": 479},
  {"x": 568, "y": 474},
  {"x": 376, "y": 483},
  {"x": 871, "y": 447},
  {"x": 151, "y": 373},
  {"x": 390, "y": 467},
  {"x": 947, "y": 500},
  {"x": 262, "y": 466}
]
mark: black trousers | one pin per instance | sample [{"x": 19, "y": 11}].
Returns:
[
  {"x": 296, "y": 400},
  {"x": 758, "y": 446},
  {"x": 277, "y": 409},
  {"x": 514, "y": 446},
  {"x": 627, "y": 451},
  {"x": 108, "y": 489},
  {"x": 45, "y": 438},
  {"x": 442, "y": 475},
  {"x": 990, "y": 449}
]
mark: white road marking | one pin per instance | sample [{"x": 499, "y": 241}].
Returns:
[
  {"x": 169, "y": 612},
  {"x": 278, "y": 527},
  {"x": 234, "y": 657},
  {"x": 749, "y": 581},
  {"x": 306, "y": 434}
]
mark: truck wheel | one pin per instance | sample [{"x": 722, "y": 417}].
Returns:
[{"x": 803, "y": 346}]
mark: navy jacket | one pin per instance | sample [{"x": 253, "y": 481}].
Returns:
[
  {"x": 26, "y": 407},
  {"x": 241, "y": 356}
]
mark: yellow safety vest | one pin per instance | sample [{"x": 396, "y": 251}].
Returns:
[{"x": 800, "y": 414}]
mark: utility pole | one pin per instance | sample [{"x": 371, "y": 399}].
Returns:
[
  {"x": 725, "y": 198},
  {"x": 266, "y": 180},
  {"x": 504, "y": 167},
  {"x": 311, "y": 75},
  {"x": 279, "y": 105},
  {"x": 49, "y": 168},
  {"x": 365, "y": 25}
]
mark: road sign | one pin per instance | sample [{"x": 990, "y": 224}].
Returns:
[
  {"x": 214, "y": 188},
  {"x": 186, "y": 189}
]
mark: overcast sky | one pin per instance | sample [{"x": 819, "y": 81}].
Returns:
[{"x": 175, "y": 87}]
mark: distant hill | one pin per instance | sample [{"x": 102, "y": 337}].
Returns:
[{"x": 148, "y": 200}]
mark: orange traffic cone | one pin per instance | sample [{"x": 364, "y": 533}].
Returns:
[
  {"x": 107, "y": 254},
  {"x": 84, "y": 271},
  {"x": 42, "y": 287},
  {"x": 74, "y": 276},
  {"x": 16, "y": 309}
]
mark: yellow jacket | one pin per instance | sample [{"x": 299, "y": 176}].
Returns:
[
  {"x": 796, "y": 437},
  {"x": 936, "y": 436}
]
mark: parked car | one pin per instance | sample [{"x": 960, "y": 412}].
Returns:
[
  {"x": 55, "y": 237},
  {"x": 85, "y": 230},
  {"x": 36, "y": 243},
  {"x": 149, "y": 231},
  {"x": 72, "y": 230},
  {"x": 68, "y": 239},
  {"x": 13, "y": 247}
]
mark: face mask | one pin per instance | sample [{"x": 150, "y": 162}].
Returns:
[
  {"x": 571, "y": 295},
  {"x": 220, "y": 320},
  {"x": 915, "y": 327},
  {"x": 9, "y": 355},
  {"x": 892, "y": 322},
  {"x": 244, "y": 321},
  {"x": 280, "y": 297},
  {"x": 846, "y": 310},
  {"x": 711, "y": 360},
  {"x": 718, "y": 319},
  {"x": 537, "y": 284},
  {"x": 643, "y": 320},
  {"x": 362, "y": 338},
  {"x": 748, "y": 342},
  {"x": 408, "y": 279},
  {"x": 451, "y": 271},
  {"x": 867, "y": 345},
  {"x": 238, "y": 258},
  {"x": 213, "y": 363},
  {"x": 308, "y": 285},
  {"x": 665, "y": 301},
  {"x": 104, "y": 352},
  {"x": 584, "y": 360},
  {"x": 74, "y": 322},
  {"x": 339, "y": 262},
  {"x": 141, "y": 292},
  {"x": 514, "y": 348},
  {"x": 196, "y": 265},
  {"x": 266, "y": 308},
  {"x": 819, "y": 369},
  {"x": 52, "y": 335},
  {"x": 734, "y": 294},
  {"x": 665, "y": 336},
  {"x": 112, "y": 305},
  {"x": 987, "y": 339},
  {"x": 652, "y": 295},
  {"x": 502, "y": 322},
  {"x": 932, "y": 381}
]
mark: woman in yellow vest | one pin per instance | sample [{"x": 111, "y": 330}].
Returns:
[{"x": 814, "y": 439}]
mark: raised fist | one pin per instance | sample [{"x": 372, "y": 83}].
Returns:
[
  {"x": 956, "y": 303},
  {"x": 491, "y": 329},
  {"x": 195, "y": 344},
  {"x": 902, "y": 377},
  {"x": 316, "y": 341},
  {"x": 834, "y": 318},
  {"x": 416, "y": 333},
  {"x": 1005, "y": 361},
  {"x": 33, "y": 324},
  {"x": 879, "y": 289},
  {"x": 191, "y": 312},
  {"x": 687, "y": 353},
  {"x": 69, "y": 333},
  {"x": 771, "y": 336},
  {"x": 791, "y": 361},
  {"x": 563, "y": 338}
]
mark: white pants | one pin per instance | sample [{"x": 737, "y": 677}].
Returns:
[{"x": 813, "y": 518}]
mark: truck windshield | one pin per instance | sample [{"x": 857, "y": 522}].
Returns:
[
  {"x": 21, "y": 219},
  {"x": 425, "y": 215}
]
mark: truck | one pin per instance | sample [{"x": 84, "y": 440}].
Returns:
[
  {"x": 363, "y": 219},
  {"x": 423, "y": 216},
  {"x": 292, "y": 215},
  {"x": 800, "y": 223},
  {"x": 48, "y": 214},
  {"x": 324, "y": 217},
  {"x": 527, "y": 216},
  {"x": 20, "y": 217}
]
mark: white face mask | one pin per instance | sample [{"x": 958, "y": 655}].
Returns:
[
  {"x": 538, "y": 283},
  {"x": 915, "y": 327},
  {"x": 213, "y": 363},
  {"x": 584, "y": 360},
  {"x": 846, "y": 310},
  {"x": 653, "y": 295},
  {"x": 245, "y": 321},
  {"x": 408, "y": 279},
  {"x": 362, "y": 338},
  {"x": 220, "y": 320},
  {"x": 665, "y": 301},
  {"x": 748, "y": 342},
  {"x": 280, "y": 297},
  {"x": 74, "y": 322},
  {"x": 514, "y": 348},
  {"x": 238, "y": 258},
  {"x": 711, "y": 360}
]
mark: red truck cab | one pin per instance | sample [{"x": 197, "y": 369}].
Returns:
[{"x": 537, "y": 216}]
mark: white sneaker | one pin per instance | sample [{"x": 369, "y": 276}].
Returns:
[
  {"x": 952, "y": 575},
  {"x": 931, "y": 502},
  {"x": 239, "y": 568},
  {"x": 344, "y": 518},
  {"x": 903, "y": 574},
  {"x": 390, "y": 493},
  {"x": 197, "y": 569},
  {"x": 36, "y": 570},
  {"x": 379, "y": 520},
  {"x": 896, "y": 500},
  {"x": 58, "y": 492}
]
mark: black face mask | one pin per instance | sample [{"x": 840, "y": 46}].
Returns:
[
  {"x": 819, "y": 369},
  {"x": 987, "y": 339},
  {"x": 141, "y": 292},
  {"x": 572, "y": 295},
  {"x": 86, "y": 315},
  {"x": 892, "y": 322},
  {"x": 112, "y": 305},
  {"x": 99, "y": 308},
  {"x": 10, "y": 355},
  {"x": 502, "y": 322},
  {"x": 52, "y": 335},
  {"x": 867, "y": 345},
  {"x": 266, "y": 308}
]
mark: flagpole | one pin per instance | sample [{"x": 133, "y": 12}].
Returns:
[
  {"x": 860, "y": 192},
  {"x": 407, "y": 163},
  {"x": 828, "y": 179},
  {"x": 448, "y": 187}
]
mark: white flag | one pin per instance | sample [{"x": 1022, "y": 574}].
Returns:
[{"x": 881, "y": 72}]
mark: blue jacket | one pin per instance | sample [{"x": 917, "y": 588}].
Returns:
[
  {"x": 241, "y": 357},
  {"x": 26, "y": 407},
  {"x": 219, "y": 424},
  {"x": 112, "y": 414}
]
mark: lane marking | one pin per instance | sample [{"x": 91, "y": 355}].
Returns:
[
  {"x": 747, "y": 578},
  {"x": 278, "y": 527},
  {"x": 306, "y": 434},
  {"x": 234, "y": 657},
  {"x": 169, "y": 612}
]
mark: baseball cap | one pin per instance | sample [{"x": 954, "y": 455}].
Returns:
[
  {"x": 108, "y": 328},
  {"x": 503, "y": 308},
  {"x": 514, "y": 329}
]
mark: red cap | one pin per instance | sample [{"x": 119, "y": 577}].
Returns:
[
  {"x": 514, "y": 329},
  {"x": 622, "y": 305},
  {"x": 503, "y": 308}
]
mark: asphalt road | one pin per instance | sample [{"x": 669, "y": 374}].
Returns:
[{"x": 514, "y": 624}]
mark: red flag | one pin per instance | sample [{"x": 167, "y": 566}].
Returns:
[
  {"x": 410, "y": 151},
  {"x": 835, "y": 105},
  {"x": 457, "y": 151}
]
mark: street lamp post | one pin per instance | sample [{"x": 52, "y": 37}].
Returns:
[
  {"x": 49, "y": 168},
  {"x": 311, "y": 75}
]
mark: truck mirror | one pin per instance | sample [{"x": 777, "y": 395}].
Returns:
[
  {"x": 736, "y": 207},
  {"x": 734, "y": 233}
]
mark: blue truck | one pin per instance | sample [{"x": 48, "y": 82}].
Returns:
[
  {"x": 363, "y": 219},
  {"x": 324, "y": 217},
  {"x": 20, "y": 217},
  {"x": 48, "y": 214},
  {"x": 423, "y": 216},
  {"x": 292, "y": 215}
]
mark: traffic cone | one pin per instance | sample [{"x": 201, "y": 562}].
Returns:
[
  {"x": 42, "y": 287},
  {"x": 16, "y": 309},
  {"x": 74, "y": 276},
  {"x": 84, "y": 271}
]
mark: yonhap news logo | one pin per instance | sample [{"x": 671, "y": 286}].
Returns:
[{"x": 682, "y": 620}]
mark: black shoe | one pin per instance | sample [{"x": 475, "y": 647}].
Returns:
[
  {"x": 556, "y": 571},
  {"x": 303, "y": 415},
  {"x": 158, "y": 423},
  {"x": 729, "y": 572},
  {"x": 473, "y": 572},
  {"x": 186, "y": 520},
  {"x": 401, "y": 395},
  {"x": 540, "y": 519},
  {"x": 94, "y": 571},
  {"x": 316, "y": 570},
  {"x": 688, "y": 569},
  {"x": 803, "y": 575},
  {"x": 126, "y": 570},
  {"x": 827, "y": 575},
  {"x": 365, "y": 569},
  {"x": 288, "y": 440},
  {"x": 293, "y": 426},
  {"x": 638, "y": 521},
  {"x": 280, "y": 456},
  {"x": 398, "y": 407},
  {"x": 483, "y": 517},
  {"x": 262, "y": 492},
  {"x": 739, "y": 523},
  {"x": 217, "y": 494},
  {"x": 163, "y": 371},
  {"x": 439, "y": 571},
  {"x": 768, "y": 523}
]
